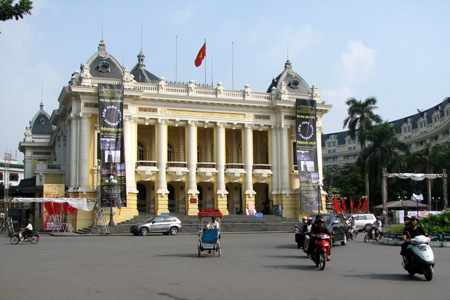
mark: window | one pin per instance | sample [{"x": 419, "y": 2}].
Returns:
[
  {"x": 334, "y": 144},
  {"x": 356, "y": 156},
  {"x": 336, "y": 158},
  {"x": 329, "y": 151},
  {"x": 141, "y": 151},
  {"x": 1, "y": 176},
  {"x": 329, "y": 159},
  {"x": 169, "y": 152},
  {"x": 334, "y": 150},
  {"x": 329, "y": 144},
  {"x": 349, "y": 148},
  {"x": 350, "y": 157},
  {"x": 14, "y": 177},
  {"x": 349, "y": 141},
  {"x": 354, "y": 147}
]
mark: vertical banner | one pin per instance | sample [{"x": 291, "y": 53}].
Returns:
[
  {"x": 307, "y": 155},
  {"x": 113, "y": 183},
  {"x": 51, "y": 191}
]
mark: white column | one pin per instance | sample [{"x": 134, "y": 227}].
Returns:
[
  {"x": 208, "y": 145},
  {"x": 152, "y": 144},
  {"x": 68, "y": 151},
  {"x": 73, "y": 150},
  {"x": 85, "y": 135},
  {"x": 274, "y": 159},
  {"x": 162, "y": 157},
  {"x": 220, "y": 157},
  {"x": 130, "y": 144},
  {"x": 192, "y": 157},
  {"x": 180, "y": 143},
  {"x": 248, "y": 159},
  {"x": 284, "y": 166}
]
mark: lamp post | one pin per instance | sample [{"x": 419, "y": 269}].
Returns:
[
  {"x": 319, "y": 196},
  {"x": 111, "y": 199}
]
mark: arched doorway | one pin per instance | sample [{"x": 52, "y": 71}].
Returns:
[
  {"x": 234, "y": 198},
  {"x": 141, "y": 198},
  {"x": 261, "y": 197}
]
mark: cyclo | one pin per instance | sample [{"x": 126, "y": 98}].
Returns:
[{"x": 209, "y": 234}]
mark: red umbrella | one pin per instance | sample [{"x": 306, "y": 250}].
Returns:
[
  {"x": 57, "y": 208},
  {"x": 49, "y": 207}
]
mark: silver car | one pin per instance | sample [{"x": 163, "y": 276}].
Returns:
[{"x": 164, "y": 224}]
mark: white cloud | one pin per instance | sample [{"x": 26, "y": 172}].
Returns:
[{"x": 358, "y": 62}]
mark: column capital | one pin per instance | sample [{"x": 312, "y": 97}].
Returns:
[
  {"x": 85, "y": 115},
  {"x": 162, "y": 121},
  {"x": 192, "y": 122},
  {"x": 221, "y": 124}
]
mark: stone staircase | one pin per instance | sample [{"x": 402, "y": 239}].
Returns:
[{"x": 232, "y": 223}]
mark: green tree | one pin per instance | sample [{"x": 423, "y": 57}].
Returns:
[
  {"x": 383, "y": 152},
  {"x": 9, "y": 11},
  {"x": 361, "y": 118}
]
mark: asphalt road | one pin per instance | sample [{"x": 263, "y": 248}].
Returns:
[{"x": 252, "y": 266}]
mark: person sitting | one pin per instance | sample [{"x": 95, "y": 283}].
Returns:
[
  {"x": 317, "y": 230},
  {"x": 408, "y": 233},
  {"x": 213, "y": 224},
  {"x": 27, "y": 230}
]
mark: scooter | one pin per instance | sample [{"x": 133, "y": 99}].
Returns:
[
  {"x": 18, "y": 237},
  {"x": 352, "y": 233},
  {"x": 370, "y": 235},
  {"x": 322, "y": 251},
  {"x": 421, "y": 257}
]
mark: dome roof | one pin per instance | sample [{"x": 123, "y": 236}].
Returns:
[
  {"x": 41, "y": 122},
  {"x": 104, "y": 65},
  {"x": 140, "y": 73},
  {"x": 291, "y": 81}
]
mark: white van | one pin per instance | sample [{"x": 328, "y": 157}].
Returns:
[{"x": 363, "y": 221}]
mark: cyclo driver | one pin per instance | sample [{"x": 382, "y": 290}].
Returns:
[{"x": 317, "y": 230}]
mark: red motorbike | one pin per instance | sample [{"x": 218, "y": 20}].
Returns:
[{"x": 322, "y": 250}]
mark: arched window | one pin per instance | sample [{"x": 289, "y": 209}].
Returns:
[{"x": 141, "y": 151}]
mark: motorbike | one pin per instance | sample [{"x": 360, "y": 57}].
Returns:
[
  {"x": 370, "y": 235},
  {"x": 33, "y": 238},
  {"x": 306, "y": 244},
  {"x": 322, "y": 250},
  {"x": 352, "y": 233},
  {"x": 421, "y": 258},
  {"x": 298, "y": 236}
]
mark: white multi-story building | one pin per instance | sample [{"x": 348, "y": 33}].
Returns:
[
  {"x": 187, "y": 146},
  {"x": 431, "y": 126}
]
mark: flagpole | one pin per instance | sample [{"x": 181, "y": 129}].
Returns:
[
  {"x": 176, "y": 58},
  {"x": 212, "y": 71},
  {"x": 205, "y": 62},
  {"x": 232, "y": 65}
]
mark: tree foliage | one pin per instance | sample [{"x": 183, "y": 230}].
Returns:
[{"x": 9, "y": 10}]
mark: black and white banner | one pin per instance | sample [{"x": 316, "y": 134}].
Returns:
[
  {"x": 307, "y": 154},
  {"x": 113, "y": 183}
]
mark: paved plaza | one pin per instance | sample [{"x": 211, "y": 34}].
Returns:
[{"x": 252, "y": 266}]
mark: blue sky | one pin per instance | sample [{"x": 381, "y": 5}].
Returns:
[{"x": 394, "y": 50}]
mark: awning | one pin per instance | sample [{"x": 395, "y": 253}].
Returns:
[{"x": 78, "y": 203}]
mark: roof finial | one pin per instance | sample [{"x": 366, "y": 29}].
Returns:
[{"x": 42, "y": 88}]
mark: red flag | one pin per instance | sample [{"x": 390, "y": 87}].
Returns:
[
  {"x": 344, "y": 205},
  {"x": 352, "y": 203},
  {"x": 358, "y": 209},
  {"x": 200, "y": 56},
  {"x": 337, "y": 208},
  {"x": 364, "y": 207}
]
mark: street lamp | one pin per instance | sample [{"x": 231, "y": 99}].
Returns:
[{"x": 111, "y": 200}]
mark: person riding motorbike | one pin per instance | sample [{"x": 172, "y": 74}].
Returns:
[
  {"x": 408, "y": 233},
  {"x": 352, "y": 225},
  {"x": 27, "y": 230},
  {"x": 317, "y": 230},
  {"x": 376, "y": 227},
  {"x": 301, "y": 237}
]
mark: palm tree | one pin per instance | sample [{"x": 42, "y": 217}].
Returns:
[
  {"x": 425, "y": 160},
  {"x": 360, "y": 119},
  {"x": 383, "y": 152}
]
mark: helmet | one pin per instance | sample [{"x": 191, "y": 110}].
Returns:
[
  {"x": 320, "y": 220},
  {"x": 378, "y": 217},
  {"x": 309, "y": 219},
  {"x": 304, "y": 218},
  {"x": 414, "y": 218}
]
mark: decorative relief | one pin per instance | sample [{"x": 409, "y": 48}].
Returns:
[
  {"x": 125, "y": 106},
  {"x": 146, "y": 109},
  {"x": 262, "y": 117},
  {"x": 201, "y": 113},
  {"x": 92, "y": 105},
  {"x": 289, "y": 117}
]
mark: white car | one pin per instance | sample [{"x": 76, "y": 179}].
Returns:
[{"x": 363, "y": 221}]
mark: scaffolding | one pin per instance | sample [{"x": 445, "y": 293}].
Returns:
[{"x": 100, "y": 224}]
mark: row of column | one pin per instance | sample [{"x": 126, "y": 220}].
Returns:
[{"x": 80, "y": 144}]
